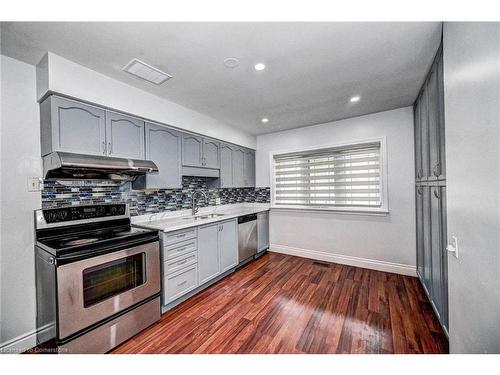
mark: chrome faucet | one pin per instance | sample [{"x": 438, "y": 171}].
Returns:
[{"x": 194, "y": 208}]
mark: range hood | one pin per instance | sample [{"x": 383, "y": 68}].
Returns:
[{"x": 69, "y": 165}]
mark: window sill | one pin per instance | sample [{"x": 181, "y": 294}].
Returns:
[{"x": 344, "y": 211}]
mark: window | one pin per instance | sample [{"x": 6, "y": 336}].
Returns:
[{"x": 345, "y": 177}]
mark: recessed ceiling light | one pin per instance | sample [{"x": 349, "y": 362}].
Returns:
[
  {"x": 231, "y": 62},
  {"x": 355, "y": 99},
  {"x": 260, "y": 66},
  {"x": 265, "y": 120}
]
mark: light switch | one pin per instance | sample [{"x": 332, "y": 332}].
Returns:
[
  {"x": 453, "y": 246},
  {"x": 34, "y": 184}
]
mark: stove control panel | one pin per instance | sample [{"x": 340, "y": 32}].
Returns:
[{"x": 63, "y": 214}]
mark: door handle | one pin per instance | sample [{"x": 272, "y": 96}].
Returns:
[{"x": 436, "y": 194}]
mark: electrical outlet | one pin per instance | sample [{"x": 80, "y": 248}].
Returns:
[
  {"x": 217, "y": 200},
  {"x": 34, "y": 184}
]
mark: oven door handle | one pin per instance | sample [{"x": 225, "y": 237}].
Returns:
[{"x": 64, "y": 259}]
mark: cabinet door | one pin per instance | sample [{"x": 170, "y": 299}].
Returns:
[
  {"x": 262, "y": 231},
  {"x": 124, "y": 136},
  {"x": 444, "y": 240},
  {"x": 420, "y": 230},
  {"x": 228, "y": 245},
  {"x": 439, "y": 267},
  {"x": 192, "y": 150},
  {"x": 226, "y": 166},
  {"x": 442, "y": 155},
  {"x": 238, "y": 167},
  {"x": 418, "y": 140},
  {"x": 163, "y": 146},
  {"x": 210, "y": 153},
  {"x": 433, "y": 113},
  {"x": 76, "y": 127},
  {"x": 208, "y": 253},
  {"x": 427, "y": 245},
  {"x": 424, "y": 135},
  {"x": 249, "y": 168}
]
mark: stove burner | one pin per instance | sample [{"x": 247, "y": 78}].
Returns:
[{"x": 80, "y": 241}]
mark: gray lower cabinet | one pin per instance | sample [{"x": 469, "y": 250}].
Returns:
[
  {"x": 217, "y": 249},
  {"x": 226, "y": 166},
  {"x": 208, "y": 252},
  {"x": 228, "y": 245},
  {"x": 163, "y": 147},
  {"x": 70, "y": 126},
  {"x": 262, "y": 231},
  {"x": 124, "y": 136},
  {"x": 419, "y": 210}
]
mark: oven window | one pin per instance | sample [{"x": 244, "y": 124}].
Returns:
[{"x": 112, "y": 278}]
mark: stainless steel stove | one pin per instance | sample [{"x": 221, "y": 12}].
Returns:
[{"x": 98, "y": 278}]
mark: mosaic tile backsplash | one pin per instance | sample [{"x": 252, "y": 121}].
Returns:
[{"x": 64, "y": 193}]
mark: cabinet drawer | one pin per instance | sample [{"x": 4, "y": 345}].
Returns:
[
  {"x": 177, "y": 236},
  {"x": 180, "y": 283},
  {"x": 181, "y": 248},
  {"x": 178, "y": 263}
]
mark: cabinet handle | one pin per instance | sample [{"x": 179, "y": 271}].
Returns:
[
  {"x": 181, "y": 235},
  {"x": 182, "y": 283},
  {"x": 104, "y": 148},
  {"x": 419, "y": 191},
  {"x": 419, "y": 174},
  {"x": 110, "y": 149},
  {"x": 436, "y": 170},
  {"x": 436, "y": 194},
  {"x": 182, "y": 262}
]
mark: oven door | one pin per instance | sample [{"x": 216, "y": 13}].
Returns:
[{"x": 94, "y": 289}]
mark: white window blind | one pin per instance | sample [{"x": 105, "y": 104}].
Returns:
[{"x": 347, "y": 176}]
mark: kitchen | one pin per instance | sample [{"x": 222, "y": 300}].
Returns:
[{"x": 230, "y": 198}]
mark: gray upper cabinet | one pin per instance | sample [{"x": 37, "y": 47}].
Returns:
[
  {"x": 70, "y": 126},
  {"x": 424, "y": 135},
  {"x": 192, "y": 150},
  {"x": 238, "y": 167},
  {"x": 228, "y": 245},
  {"x": 124, "y": 136},
  {"x": 226, "y": 166},
  {"x": 249, "y": 168},
  {"x": 163, "y": 147},
  {"x": 208, "y": 252},
  {"x": 418, "y": 141},
  {"x": 441, "y": 168},
  {"x": 211, "y": 149}
]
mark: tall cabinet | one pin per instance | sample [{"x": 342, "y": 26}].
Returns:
[{"x": 430, "y": 190}]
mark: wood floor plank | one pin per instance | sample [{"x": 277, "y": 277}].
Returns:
[{"x": 285, "y": 304}]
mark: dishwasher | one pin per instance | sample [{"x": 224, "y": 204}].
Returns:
[{"x": 247, "y": 237}]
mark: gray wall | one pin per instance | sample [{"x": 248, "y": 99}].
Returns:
[
  {"x": 472, "y": 117},
  {"x": 19, "y": 159},
  {"x": 381, "y": 242}
]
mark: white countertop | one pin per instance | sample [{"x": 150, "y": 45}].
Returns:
[{"x": 174, "y": 220}]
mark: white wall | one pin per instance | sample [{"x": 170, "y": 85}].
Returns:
[
  {"x": 66, "y": 77},
  {"x": 472, "y": 118},
  {"x": 379, "y": 242},
  {"x": 19, "y": 159}
]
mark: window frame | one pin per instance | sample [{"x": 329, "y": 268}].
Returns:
[{"x": 383, "y": 209}]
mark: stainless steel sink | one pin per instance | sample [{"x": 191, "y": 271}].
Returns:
[{"x": 202, "y": 217}]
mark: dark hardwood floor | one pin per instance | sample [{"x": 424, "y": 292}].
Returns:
[{"x": 285, "y": 304}]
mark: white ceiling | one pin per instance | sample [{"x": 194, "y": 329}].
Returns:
[{"x": 312, "y": 69}]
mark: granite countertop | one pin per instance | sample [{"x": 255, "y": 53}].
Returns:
[{"x": 170, "y": 221}]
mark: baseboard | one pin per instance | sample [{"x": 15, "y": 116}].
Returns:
[
  {"x": 378, "y": 265},
  {"x": 21, "y": 343}
]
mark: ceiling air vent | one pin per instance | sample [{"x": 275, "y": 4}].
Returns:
[{"x": 146, "y": 72}]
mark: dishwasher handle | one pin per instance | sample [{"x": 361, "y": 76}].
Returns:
[{"x": 247, "y": 218}]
